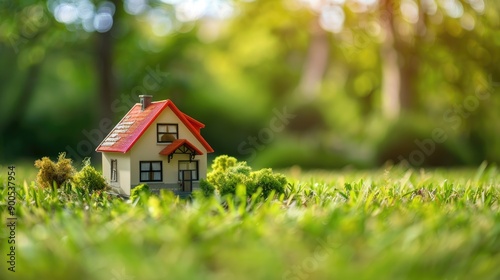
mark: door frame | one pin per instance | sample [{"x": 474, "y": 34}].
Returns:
[{"x": 182, "y": 175}]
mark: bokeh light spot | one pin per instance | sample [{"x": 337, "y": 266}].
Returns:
[
  {"x": 332, "y": 18},
  {"x": 135, "y": 7},
  {"x": 103, "y": 22},
  {"x": 190, "y": 10},
  {"x": 66, "y": 13},
  {"x": 409, "y": 10},
  {"x": 160, "y": 22}
]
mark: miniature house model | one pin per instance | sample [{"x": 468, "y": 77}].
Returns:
[{"x": 156, "y": 144}]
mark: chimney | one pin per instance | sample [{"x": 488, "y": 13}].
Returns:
[{"x": 145, "y": 101}]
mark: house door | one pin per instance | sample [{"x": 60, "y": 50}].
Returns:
[
  {"x": 186, "y": 180},
  {"x": 188, "y": 172}
]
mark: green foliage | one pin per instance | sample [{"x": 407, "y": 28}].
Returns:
[
  {"x": 88, "y": 177},
  {"x": 223, "y": 163},
  {"x": 207, "y": 188},
  {"x": 269, "y": 181},
  {"x": 50, "y": 173},
  {"x": 227, "y": 174},
  {"x": 140, "y": 191},
  {"x": 229, "y": 181}
]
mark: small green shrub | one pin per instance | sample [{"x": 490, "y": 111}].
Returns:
[
  {"x": 269, "y": 181},
  {"x": 88, "y": 177},
  {"x": 230, "y": 180},
  {"x": 220, "y": 166},
  {"x": 222, "y": 163},
  {"x": 139, "y": 191},
  {"x": 60, "y": 172},
  {"x": 207, "y": 188},
  {"x": 227, "y": 173}
]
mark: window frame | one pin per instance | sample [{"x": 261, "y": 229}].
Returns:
[
  {"x": 159, "y": 134},
  {"x": 114, "y": 171},
  {"x": 150, "y": 171}
]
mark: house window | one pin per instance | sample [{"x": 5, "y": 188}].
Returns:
[
  {"x": 151, "y": 171},
  {"x": 114, "y": 170},
  {"x": 188, "y": 170},
  {"x": 167, "y": 132}
]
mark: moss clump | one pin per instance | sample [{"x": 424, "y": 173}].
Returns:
[
  {"x": 54, "y": 173},
  {"x": 88, "y": 177}
]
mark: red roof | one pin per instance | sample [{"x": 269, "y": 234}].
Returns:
[
  {"x": 198, "y": 125},
  {"x": 178, "y": 143},
  {"x": 131, "y": 127}
]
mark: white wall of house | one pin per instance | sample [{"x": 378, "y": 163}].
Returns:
[{"x": 123, "y": 170}]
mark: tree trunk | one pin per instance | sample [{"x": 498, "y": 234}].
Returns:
[
  {"x": 20, "y": 106},
  {"x": 391, "y": 77},
  {"x": 400, "y": 64},
  {"x": 316, "y": 62},
  {"x": 409, "y": 72},
  {"x": 104, "y": 63}
]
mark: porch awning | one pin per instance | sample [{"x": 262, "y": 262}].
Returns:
[{"x": 180, "y": 146}]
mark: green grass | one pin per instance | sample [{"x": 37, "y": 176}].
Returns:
[{"x": 387, "y": 224}]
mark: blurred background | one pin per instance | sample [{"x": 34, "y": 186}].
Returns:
[{"x": 312, "y": 83}]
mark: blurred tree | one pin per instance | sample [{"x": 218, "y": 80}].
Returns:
[
  {"x": 105, "y": 57},
  {"x": 401, "y": 27},
  {"x": 316, "y": 61},
  {"x": 343, "y": 67},
  {"x": 26, "y": 30}
]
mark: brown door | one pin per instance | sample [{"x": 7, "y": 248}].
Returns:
[
  {"x": 186, "y": 180},
  {"x": 188, "y": 172}
]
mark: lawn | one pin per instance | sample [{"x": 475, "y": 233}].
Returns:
[{"x": 392, "y": 223}]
